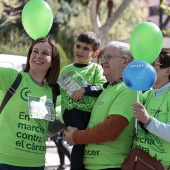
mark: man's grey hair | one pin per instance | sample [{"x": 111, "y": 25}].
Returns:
[{"x": 124, "y": 48}]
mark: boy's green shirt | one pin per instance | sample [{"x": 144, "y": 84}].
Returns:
[{"x": 92, "y": 74}]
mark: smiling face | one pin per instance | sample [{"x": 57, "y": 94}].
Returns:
[
  {"x": 40, "y": 59},
  {"x": 112, "y": 63},
  {"x": 83, "y": 52}
]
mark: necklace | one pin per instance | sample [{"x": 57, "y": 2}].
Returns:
[{"x": 158, "y": 110}]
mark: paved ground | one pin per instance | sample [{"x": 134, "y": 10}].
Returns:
[{"x": 52, "y": 159}]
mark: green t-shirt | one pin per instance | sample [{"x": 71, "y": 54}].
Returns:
[
  {"x": 92, "y": 74},
  {"x": 117, "y": 100},
  {"x": 148, "y": 141},
  {"x": 22, "y": 139}
]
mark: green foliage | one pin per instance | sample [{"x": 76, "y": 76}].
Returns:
[
  {"x": 15, "y": 43},
  {"x": 63, "y": 60},
  {"x": 19, "y": 45},
  {"x": 71, "y": 17},
  {"x": 67, "y": 42},
  {"x": 81, "y": 23},
  {"x": 121, "y": 30},
  {"x": 123, "y": 27}
]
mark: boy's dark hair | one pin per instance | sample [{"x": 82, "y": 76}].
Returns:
[{"x": 90, "y": 38}]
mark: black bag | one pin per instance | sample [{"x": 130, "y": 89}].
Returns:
[
  {"x": 138, "y": 159},
  {"x": 55, "y": 127}
]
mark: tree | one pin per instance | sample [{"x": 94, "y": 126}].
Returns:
[
  {"x": 107, "y": 18},
  {"x": 166, "y": 9},
  {"x": 10, "y": 11},
  {"x": 102, "y": 30},
  {"x": 14, "y": 39},
  {"x": 110, "y": 19}
]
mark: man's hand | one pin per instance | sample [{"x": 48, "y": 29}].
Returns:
[
  {"x": 77, "y": 95},
  {"x": 68, "y": 135}
]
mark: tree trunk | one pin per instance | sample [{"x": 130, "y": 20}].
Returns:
[{"x": 102, "y": 31}]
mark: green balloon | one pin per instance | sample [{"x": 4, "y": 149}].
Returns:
[
  {"x": 37, "y": 18},
  {"x": 146, "y": 42}
]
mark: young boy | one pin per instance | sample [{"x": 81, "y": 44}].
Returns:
[{"x": 80, "y": 84}]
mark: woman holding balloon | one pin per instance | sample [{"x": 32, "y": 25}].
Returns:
[
  {"x": 154, "y": 114},
  {"x": 25, "y": 118}
]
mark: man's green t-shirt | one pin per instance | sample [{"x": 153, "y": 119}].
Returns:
[
  {"x": 22, "y": 139},
  {"x": 117, "y": 100},
  {"x": 92, "y": 74}
]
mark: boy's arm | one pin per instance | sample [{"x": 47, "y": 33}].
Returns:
[
  {"x": 92, "y": 90},
  {"x": 89, "y": 90},
  {"x": 95, "y": 89},
  {"x": 77, "y": 95}
]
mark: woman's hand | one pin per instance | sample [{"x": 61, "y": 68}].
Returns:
[{"x": 139, "y": 111}]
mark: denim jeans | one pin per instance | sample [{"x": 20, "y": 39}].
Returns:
[{"x": 10, "y": 167}]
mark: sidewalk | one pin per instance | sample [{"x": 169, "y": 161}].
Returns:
[{"x": 52, "y": 158}]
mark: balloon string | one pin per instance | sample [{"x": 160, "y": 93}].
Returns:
[
  {"x": 138, "y": 95},
  {"x": 136, "y": 120}
]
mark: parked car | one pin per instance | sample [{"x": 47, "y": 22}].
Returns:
[{"x": 13, "y": 61}]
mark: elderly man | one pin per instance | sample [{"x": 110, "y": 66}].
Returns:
[{"x": 111, "y": 128}]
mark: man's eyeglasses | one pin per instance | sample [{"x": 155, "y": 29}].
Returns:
[
  {"x": 108, "y": 58},
  {"x": 156, "y": 64}
]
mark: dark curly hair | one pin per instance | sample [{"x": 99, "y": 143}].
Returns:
[{"x": 164, "y": 58}]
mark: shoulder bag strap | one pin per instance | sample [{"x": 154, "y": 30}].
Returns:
[
  {"x": 55, "y": 91},
  {"x": 11, "y": 91}
]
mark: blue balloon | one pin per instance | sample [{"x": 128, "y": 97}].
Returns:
[{"x": 139, "y": 75}]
